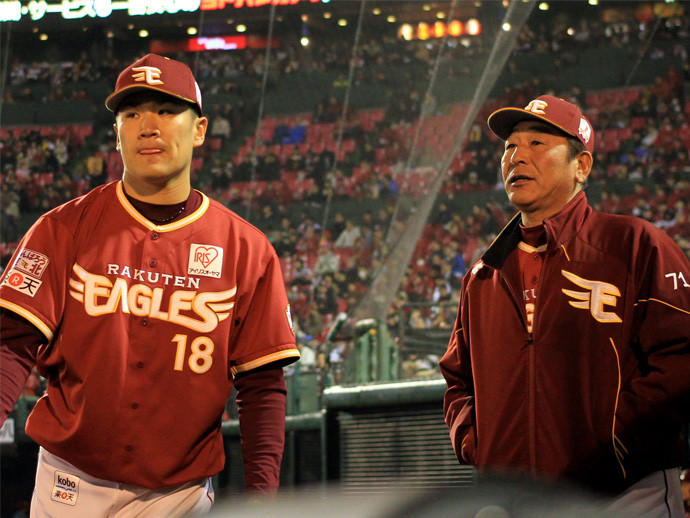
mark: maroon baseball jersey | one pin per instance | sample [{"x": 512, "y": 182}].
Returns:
[{"x": 146, "y": 327}]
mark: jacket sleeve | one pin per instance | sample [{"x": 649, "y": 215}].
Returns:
[
  {"x": 18, "y": 350},
  {"x": 458, "y": 403},
  {"x": 660, "y": 393},
  {"x": 261, "y": 396}
]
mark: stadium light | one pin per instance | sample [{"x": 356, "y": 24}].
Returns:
[
  {"x": 191, "y": 31},
  {"x": 506, "y": 27},
  {"x": 304, "y": 41},
  {"x": 544, "y": 6},
  {"x": 241, "y": 28},
  {"x": 438, "y": 30},
  {"x": 391, "y": 19},
  {"x": 43, "y": 37},
  {"x": 473, "y": 27},
  {"x": 406, "y": 32},
  {"x": 376, "y": 11},
  {"x": 327, "y": 15},
  {"x": 342, "y": 22},
  {"x": 143, "y": 33}
]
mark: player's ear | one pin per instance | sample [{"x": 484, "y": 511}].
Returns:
[
  {"x": 584, "y": 166},
  {"x": 117, "y": 138},
  {"x": 201, "y": 125}
]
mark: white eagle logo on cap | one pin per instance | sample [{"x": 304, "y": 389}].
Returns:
[
  {"x": 585, "y": 130},
  {"x": 150, "y": 75}
]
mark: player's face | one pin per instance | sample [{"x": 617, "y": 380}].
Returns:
[
  {"x": 156, "y": 135},
  {"x": 538, "y": 175}
]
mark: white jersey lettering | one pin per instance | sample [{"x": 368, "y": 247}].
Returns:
[{"x": 198, "y": 311}]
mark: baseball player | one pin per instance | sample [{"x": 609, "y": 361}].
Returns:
[
  {"x": 570, "y": 356},
  {"x": 143, "y": 303}
]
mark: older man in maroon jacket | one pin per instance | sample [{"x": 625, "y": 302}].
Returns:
[{"x": 570, "y": 356}]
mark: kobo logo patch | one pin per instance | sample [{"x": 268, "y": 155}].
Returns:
[{"x": 65, "y": 488}]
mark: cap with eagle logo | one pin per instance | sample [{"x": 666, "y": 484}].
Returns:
[
  {"x": 154, "y": 72},
  {"x": 552, "y": 110}
]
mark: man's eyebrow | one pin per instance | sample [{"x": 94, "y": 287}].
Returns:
[{"x": 542, "y": 127}]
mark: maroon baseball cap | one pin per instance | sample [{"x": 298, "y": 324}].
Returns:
[
  {"x": 154, "y": 72},
  {"x": 552, "y": 110}
]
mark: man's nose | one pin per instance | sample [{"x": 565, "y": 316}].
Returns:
[
  {"x": 149, "y": 125},
  {"x": 516, "y": 155}
]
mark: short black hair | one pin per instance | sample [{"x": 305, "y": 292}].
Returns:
[{"x": 575, "y": 147}]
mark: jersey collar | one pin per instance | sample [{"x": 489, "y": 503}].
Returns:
[{"x": 129, "y": 208}]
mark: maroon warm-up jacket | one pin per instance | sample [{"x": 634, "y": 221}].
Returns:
[{"x": 598, "y": 392}]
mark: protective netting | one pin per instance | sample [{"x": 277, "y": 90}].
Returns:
[{"x": 429, "y": 168}]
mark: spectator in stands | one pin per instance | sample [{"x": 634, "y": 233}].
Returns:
[
  {"x": 601, "y": 360},
  {"x": 348, "y": 236},
  {"x": 269, "y": 168},
  {"x": 327, "y": 262},
  {"x": 97, "y": 173},
  {"x": 303, "y": 276},
  {"x": 337, "y": 225},
  {"x": 312, "y": 321},
  {"x": 325, "y": 295},
  {"x": 220, "y": 127}
]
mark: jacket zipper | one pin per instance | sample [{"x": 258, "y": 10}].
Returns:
[
  {"x": 531, "y": 373},
  {"x": 532, "y": 404}
]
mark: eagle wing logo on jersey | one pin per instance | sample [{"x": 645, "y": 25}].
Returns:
[
  {"x": 597, "y": 294},
  {"x": 205, "y": 260},
  {"x": 200, "y": 311}
]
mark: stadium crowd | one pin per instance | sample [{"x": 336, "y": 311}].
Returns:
[{"x": 298, "y": 165}]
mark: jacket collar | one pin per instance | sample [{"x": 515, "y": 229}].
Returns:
[{"x": 560, "y": 228}]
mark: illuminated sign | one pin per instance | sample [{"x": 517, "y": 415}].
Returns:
[
  {"x": 425, "y": 31},
  {"x": 212, "y": 43},
  {"x": 214, "y": 5},
  {"x": 13, "y": 10}
]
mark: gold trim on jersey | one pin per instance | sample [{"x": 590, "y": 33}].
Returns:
[
  {"x": 161, "y": 228},
  {"x": 618, "y": 447},
  {"x": 664, "y": 303},
  {"x": 264, "y": 360},
  {"x": 29, "y": 316},
  {"x": 530, "y": 249}
]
